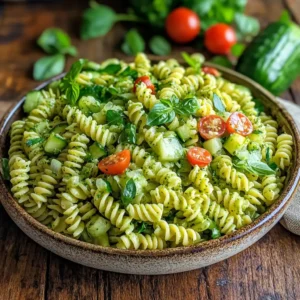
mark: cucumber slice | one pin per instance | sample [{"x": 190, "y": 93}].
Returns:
[
  {"x": 89, "y": 105},
  {"x": 59, "y": 128},
  {"x": 55, "y": 143},
  {"x": 97, "y": 226},
  {"x": 97, "y": 150},
  {"x": 184, "y": 132},
  {"x": 103, "y": 185},
  {"x": 32, "y": 100},
  {"x": 213, "y": 146},
  {"x": 234, "y": 143},
  {"x": 55, "y": 166},
  {"x": 42, "y": 128},
  {"x": 169, "y": 149}
]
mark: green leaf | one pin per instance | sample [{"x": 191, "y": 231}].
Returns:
[
  {"x": 75, "y": 69},
  {"x": 187, "y": 107},
  {"x": 143, "y": 227},
  {"x": 285, "y": 17},
  {"x": 268, "y": 156},
  {"x": 5, "y": 168},
  {"x": 259, "y": 107},
  {"x": 34, "y": 141},
  {"x": 159, "y": 45},
  {"x": 128, "y": 135},
  {"x": 129, "y": 192},
  {"x": 237, "y": 49},
  {"x": 215, "y": 230},
  {"x": 114, "y": 117},
  {"x": 129, "y": 72},
  {"x": 72, "y": 93},
  {"x": 222, "y": 61},
  {"x": 218, "y": 104},
  {"x": 273, "y": 166},
  {"x": 111, "y": 69},
  {"x": 134, "y": 43},
  {"x": 97, "y": 21},
  {"x": 48, "y": 66},
  {"x": 195, "y": 64},
  {"x": 94, "y": 90},
  {"x": 246, "y": 27},
  {"x": 260, "y": 168},
  {"x": 160, "y": 114},
  {"x": 55, "y": 40}
]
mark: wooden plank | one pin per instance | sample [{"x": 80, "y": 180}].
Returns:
[
  {"x": 23, "y": 263},
  {"x": 294, "y": 8},
  {"x": 67, "y": 280}
]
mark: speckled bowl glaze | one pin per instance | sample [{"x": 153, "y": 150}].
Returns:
[{"x": 166, "y": 261}]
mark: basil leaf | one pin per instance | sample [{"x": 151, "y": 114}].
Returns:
[
  {"x": 134, "y": 43},
  {"x": 222, "y": 61},
  {"x": 188, "y": 106},
  {"x": 55, "y": 40},
  {"x": 97, "y": 21},
  {"x": 128, "y": 135},
  {"x": 75, "y": 69},
  {"x": 260, "y": 168},
  {"x": 34, "y": 141},
  {"x": 246, "y": 27},
  {"x": 129, "y": 72},
  {"x": 268, "y": 157},
  {"x": 215, "y": 230},
  {"x": 195, "y": 64},
  {"x": 159, "y": 45},
  {"x": 237, "y": 49},
  {"x": 129, "y": 192},
  {"x": 259, "y": 107},
  {"x": 111, "y": 69},
  {"x": 144, "y": 227},
  {"x": 5, "y": 168},
  {"x": 94, "y": 90},
  {"x": 160, "y": 114},
  {"x": 114, "y": 117},
  {"x": 218, "y": 104},
  {"x": 273, "y": 166},
  {"x": 72, "y": 93},
  {"x": 285, "y": 17},
  {"x": 48, "y": 66}
]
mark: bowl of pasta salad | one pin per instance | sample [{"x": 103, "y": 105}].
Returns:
[{"x": 148, "y": 167}]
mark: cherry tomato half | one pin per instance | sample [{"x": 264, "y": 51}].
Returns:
[
  {"x": 212, "y": 71},
  {"x": 147, "y": 81},
  {"x": 211, "y": 127},
  {"x": 219, "y": 38},
  {"x": 199, "y": 156},
  {"x": 116, "y": 163},
  {"x": 182, "y": 25},
  {"x": 239, "y": 123}
]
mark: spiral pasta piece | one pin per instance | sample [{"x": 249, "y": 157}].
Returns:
[
  {"x": 142, "y": 64},
  {"x": 271, "y": 188},
  {"x": 161, "y": 70},
  {"x": 175, "y": 76},
  {"x": 145, "y": 212},
  {"x": 99, "y": 133},
  {"x": 139, "y": 241},
  {"x": 177, "y": 234},
  {"x": 284, "y": 151},
  {"x": 199, "y": 177},
  {"x": 16, "y": 137},
  {"x": 144, "y": 95},
  {"x": 194, "y": 82},
  {"x": 112, "y": 211}
]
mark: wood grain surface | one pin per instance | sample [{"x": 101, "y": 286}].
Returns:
[{"x": 269, "y": 270}]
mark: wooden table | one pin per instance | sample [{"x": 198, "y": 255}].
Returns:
[{"x": 268, "y": 270}]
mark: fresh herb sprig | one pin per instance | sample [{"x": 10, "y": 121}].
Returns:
[
  {"x": 165, "y": 111},
  {"x": 129, "y": 192}
]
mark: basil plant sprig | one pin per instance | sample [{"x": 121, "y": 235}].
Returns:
[{"x": 165, "y": 111}]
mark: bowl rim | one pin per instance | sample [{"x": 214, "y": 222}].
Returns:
[{"x": 285, "y": 197}]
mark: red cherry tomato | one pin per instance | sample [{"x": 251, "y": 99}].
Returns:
[
  {"x": 211, "y": 127},
  {"x": 116, "y": 163},
  {"x": 239, "y": 123},
  {"x": 219, "y": 38},
  {"x": 198, "y": 156},
  {"x": 212, "y": 71},
  {"x": 182, "y": 25},
  {"x": 145, "y": 79}
]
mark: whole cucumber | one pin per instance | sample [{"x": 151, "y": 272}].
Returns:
[{"x": 273, "y": 57}]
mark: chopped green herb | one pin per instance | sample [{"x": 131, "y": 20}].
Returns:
[
  {"x": 129, "y": 192},
  {"x": 5, "y": 168},
  {"x": 34, "y": 141}
]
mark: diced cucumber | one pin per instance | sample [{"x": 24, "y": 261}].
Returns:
[
  {"x": 97, "y": 226},
  {"x": 102, "y": 240},
  {"x": 103, "y": 185},
  {"x": 234, "y": 143},
  {"x": 97, "y": 150},
  {"x": 169, "y": 149},
  {"x": 55, "y": 143},
  {"x": 32, "y": 100},
  {"x": 184, "y": 132},
  {"x": 213, "y": 146},
  {"x": 89, "y": 105},
  {"x": 60, "y": 128},
  {"x": 256, "y": 136},
  {"x": 42, "y": 127},
  {"x": 55, "y": 166}
]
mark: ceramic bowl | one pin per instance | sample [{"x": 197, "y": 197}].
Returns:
[{"x": 160, "y": 261}]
